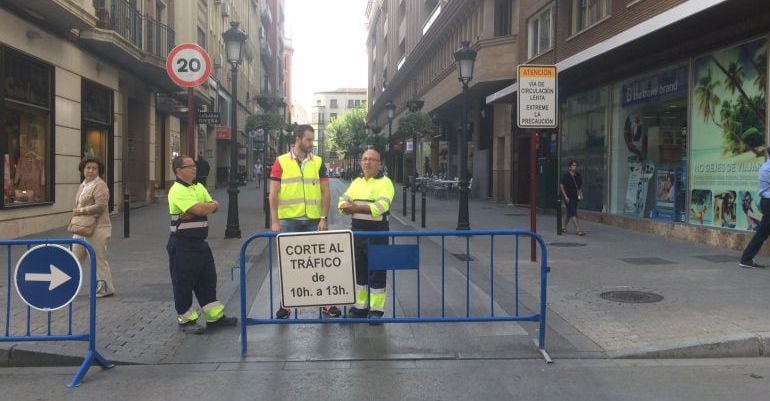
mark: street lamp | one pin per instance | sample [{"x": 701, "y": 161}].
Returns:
[
  {"x": 234, "y": 39},
  {"x": 465, "y": 57},
  {"x": 391, "y": 108}
]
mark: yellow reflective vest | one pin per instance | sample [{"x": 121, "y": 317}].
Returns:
[
  {"x": 300, "y": 194},
  {"x": 376, "y": 192}
]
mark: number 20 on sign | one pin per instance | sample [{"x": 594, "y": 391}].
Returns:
[{"x": 188, "y": 65}]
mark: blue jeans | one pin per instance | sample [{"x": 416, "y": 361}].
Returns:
[{"x": 296, "y": 225}]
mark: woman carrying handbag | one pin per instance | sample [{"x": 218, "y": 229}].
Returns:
[
  {"x": 91, "y": 221},
  {"x": 572, "y": 191}
]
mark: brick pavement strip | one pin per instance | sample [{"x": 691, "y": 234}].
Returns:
[{"x": 138, "y": 324}]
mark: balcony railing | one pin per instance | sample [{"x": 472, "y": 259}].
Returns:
[
  {"x": 126, "y": 21},
  {"x": 143, "y": 31},
  {"x": 160, "y": 38}
]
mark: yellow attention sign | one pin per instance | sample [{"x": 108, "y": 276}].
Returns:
[{"x": 536, "y": 97}]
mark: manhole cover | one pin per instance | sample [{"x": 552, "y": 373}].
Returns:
[
  {"x": 566, "y": 244},
  {"x": 647, "y": 261},
  {"x": 463, "y": 257},
  {"x": 631, "y": 297},
  {"x": 717, "y": 258}
]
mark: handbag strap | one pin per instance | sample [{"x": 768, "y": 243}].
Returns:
[{"x": 575, "y": 182}]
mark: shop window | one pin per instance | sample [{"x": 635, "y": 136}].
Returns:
[
  {"x": 540, "y": 33},
  {"x": 588, "y": 12},
  {"x": 26, "y": 126},
  {"x": 649, "y": 153},
  {"x": 729, "y": 125},
  {"x": 583, "y": 138}
]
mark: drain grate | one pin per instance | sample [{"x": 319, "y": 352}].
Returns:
[
  {"x": 566, "y": 244},
  {"x": 631, "y": 297},
  {"x": 463, "y": 257},
  {"x": 717, "y": 258},
  {"x": 647, "y": 261}
]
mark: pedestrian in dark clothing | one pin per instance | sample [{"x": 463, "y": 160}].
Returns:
[
  {"x": 763, "y": 230},
  {"x": 572, "y": 191},
  {"x": 203, "y": 168}
]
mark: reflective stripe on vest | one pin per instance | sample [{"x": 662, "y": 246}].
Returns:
[
  {"x": 300, "y": 194},
  {"x": 365, "y": 216}
]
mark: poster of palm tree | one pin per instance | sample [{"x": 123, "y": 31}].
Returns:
[{"x": 729, "y": 119}]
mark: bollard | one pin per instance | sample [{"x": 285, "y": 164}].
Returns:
[
  {"x": 424, "y": 203},
  {"x": 126, "y": 211},
  {"x": 405, "y": 188},
  {"x": 558, "y": 216},
  {"x": 414, "y": 196}
]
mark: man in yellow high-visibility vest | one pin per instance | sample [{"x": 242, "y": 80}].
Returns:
[
  {"x": 299, "y": 195},
  {"x": 368, "y": 201}
]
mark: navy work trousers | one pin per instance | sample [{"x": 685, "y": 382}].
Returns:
[
  {"x": 763, "y": 231},
  {"x": 376, "y": 279},
  {"x": 192, "y": 269}
]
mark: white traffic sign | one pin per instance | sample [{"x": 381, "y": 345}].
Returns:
[
  {"x": 48, "y": 277},
  {"x": 317, "y": 268},
  {"x": 537, "y": 100},
  {"x": 188, "y": 65}
]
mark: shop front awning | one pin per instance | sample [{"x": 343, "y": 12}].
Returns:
[{"x": 641, "y": 30}]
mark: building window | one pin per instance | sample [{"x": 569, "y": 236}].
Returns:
[
  {"x": 503, "y": 17},
  {"x": 26, "y": 117},
  {"x": 357, "y": 103},
  {"x": 587, "y": 12},
  {"x": 540, "y": 32},
  {"x": 201, "y": 37},
  {"x": 332, "y": 117},
  {"x": 350, "y": 103},
  {"x": 333, "y": 103}
]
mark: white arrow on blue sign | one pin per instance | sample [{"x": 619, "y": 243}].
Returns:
[{"x": 48, "y": 277}]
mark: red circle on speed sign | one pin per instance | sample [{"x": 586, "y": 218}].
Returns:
[{"x": 188, "y": 65}]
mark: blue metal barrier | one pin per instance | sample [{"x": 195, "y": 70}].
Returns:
[
  {"x": 398, "y": 257},
  {"x": 28, "y": 333}
]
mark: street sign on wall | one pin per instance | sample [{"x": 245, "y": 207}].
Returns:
[
  {"x": 537, "y": 99},
  {"x": 207, "y": 117},
  {"x": 317, "y": 268},
  {"x": 48, "y": 277},
  {"x": 188, "y": 65}
]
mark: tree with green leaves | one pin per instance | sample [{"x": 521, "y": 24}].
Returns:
[
  {"x": 417, "y": 123},
  {"x": 346, "y": 136}
]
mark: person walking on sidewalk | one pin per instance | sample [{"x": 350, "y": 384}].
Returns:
[
  {"x": 191, "y": 262},
  {"x": 92, "y": 199},
  {"x": 258, "y": 173},
  {"x": 299, "y": 195},
  {"x": 368, "y": 200},
  {"x": 571, "y": 187},
  {"x": 763, "y": 230},
  {"x": 202, "y": 169}
]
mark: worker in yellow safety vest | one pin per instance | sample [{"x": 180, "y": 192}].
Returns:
[
  {"x": 299, "y": 195},
  {"x": 191, "y": 262},
  {"x": 367, "y": 201}
]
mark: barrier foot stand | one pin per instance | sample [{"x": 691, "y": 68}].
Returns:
[
  {"x": 87, "y": 362},
  {"x": 543, "y": 352}
]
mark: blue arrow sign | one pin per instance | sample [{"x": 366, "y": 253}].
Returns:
[{"x": 48, "y": 277}]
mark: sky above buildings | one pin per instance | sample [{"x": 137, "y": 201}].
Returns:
[{"x": 329, "y": 39}]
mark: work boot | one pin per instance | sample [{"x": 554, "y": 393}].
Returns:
[
  {"x": 376, "y": 315},
  {"x": 224, "y": 321},
  {"x": 331, "y": 311},
  {"x": 192, "y": 327},
  {"x": 282, "y": 313},
  {"x": 356, "y": 313}
]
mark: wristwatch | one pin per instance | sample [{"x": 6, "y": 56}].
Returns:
[{"x": 324, "y": 218}]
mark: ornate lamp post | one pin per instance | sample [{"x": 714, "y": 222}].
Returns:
[
  {"x": 391, "y": 108},
  {"x": 234, "y": 39},
  {"x": 465, "y": 57}
]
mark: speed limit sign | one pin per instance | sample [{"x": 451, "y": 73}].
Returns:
[{"x": 188, "y": 65}]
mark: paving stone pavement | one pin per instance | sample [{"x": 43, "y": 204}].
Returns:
[
  {"x": 138, "y": 324},
  {"x": 710, "y": 307}
]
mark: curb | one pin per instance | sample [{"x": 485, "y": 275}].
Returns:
[{"x": 753, "y": 345}]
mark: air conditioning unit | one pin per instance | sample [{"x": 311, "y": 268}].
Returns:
[
  {"x": 225, "y": 9},
  {"x": 217, "y": 61}
]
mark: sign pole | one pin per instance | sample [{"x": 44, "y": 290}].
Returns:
[
  {"x": 533, "y": 138},
  {"x": 190, "y": 124}
]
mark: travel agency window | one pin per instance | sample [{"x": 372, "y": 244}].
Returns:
[
  {"x": 583, "y": 139},
  {"x": 729, "y": 114},
  {"x": 649, "y": 152},
  {"x": 26, "y": 111}
]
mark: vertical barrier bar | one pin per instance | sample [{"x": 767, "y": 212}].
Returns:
[
  {"x": 29, "y": 318},
  {"x": 443, "y": 289},
  {"x": 270, "y": 275},
  {"x": 69, "y": 320},
  {"x": 492, "y": 275},
  {"x": 49, "y": 323},
  {"x": 516, "y": 276},
  {"x": 8, "y": 297},
  {"x": 242, "y": 274},
  {"x": 543, "y": 286},
  {"x": 418, "y": 281},
  {"x": 467, "y": 276},
  {"x": 393, "y": 281}
]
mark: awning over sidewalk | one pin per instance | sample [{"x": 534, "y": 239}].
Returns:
[{"x": 656, "y": 23}]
